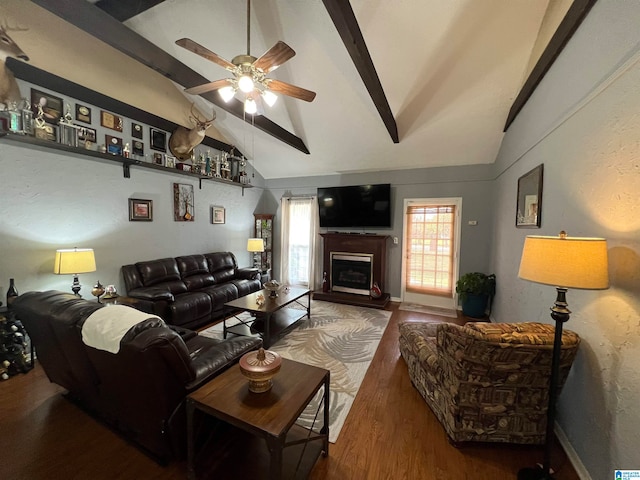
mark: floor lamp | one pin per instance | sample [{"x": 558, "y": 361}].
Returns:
[{"x": 563, "y": 262}]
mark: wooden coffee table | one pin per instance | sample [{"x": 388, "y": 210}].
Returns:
[
  {"x": 270, "y": 320},
  {"x": 237, "y": 448}
]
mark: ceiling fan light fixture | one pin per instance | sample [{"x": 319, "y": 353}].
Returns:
[
  {"x": 269, "y": 97},
  {"x": 227, "y": 93},
  {"x": 250, "y": 106},
  {"x": 245, "y": 83}
]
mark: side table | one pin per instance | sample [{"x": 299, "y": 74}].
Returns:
[{"x": 252, "y": 419}]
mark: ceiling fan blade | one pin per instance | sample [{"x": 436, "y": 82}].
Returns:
[
  {"x": 290, "y": 90},
  {"x": 207, "y": 87},
  {"x": 204, "y": 52},
  {"x": 274, "y": 57}
]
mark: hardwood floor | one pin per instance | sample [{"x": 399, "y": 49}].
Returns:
[{"x": 390, "y": 433}]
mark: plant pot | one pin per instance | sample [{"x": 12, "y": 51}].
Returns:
[{"x": 475, "y": 305}]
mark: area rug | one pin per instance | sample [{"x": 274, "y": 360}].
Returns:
[
  {"x": 414, "y": 307},
  {"x": 341, "y": 338}
]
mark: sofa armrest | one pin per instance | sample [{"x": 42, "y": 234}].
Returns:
[
  {"x": 248, "y": 273},
  {"x": 151, "y": 293},
  {"x": 209, "y": 356}
]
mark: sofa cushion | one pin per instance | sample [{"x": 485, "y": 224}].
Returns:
[
  {"x": 158, "y": 271},
  {"x": 222, "y": 265},
  {"x": 194, "y": 270},
  {"x": 190, "y": 307},
  {"x": 220, "y": 294},
  {"x": 245, "y": 287}
]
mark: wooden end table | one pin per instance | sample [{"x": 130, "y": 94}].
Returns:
[
  {"x": 270, "y": 320},
  {"x": 268, "y": 416}
]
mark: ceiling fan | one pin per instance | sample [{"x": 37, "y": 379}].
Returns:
[{"x": 249, "y": 73}]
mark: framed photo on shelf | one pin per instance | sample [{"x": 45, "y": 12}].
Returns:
[
  {"x": 51, "y": 106},
  {"x": 217, "y": 215},
  {"x": 109, "y": 120},
  {"x": 138, "y": 148},
  {"x": 183, "y": 204},
  {"x": 158, "y": 159},
  {"x": 113, "y": 145},
  {"x": 169, "y": 161},
  {"x": 140, "y": 210},
  {"x": 83, "y": 113},
  {"x": 158, "y": 140},
  {"x": 47, "y": 132},
  {"x": 86, "y": 134},
  {"x": 529, "y": 201},
  {"x": 136, "y": 130}
]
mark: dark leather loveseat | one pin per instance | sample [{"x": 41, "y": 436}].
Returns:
[
  {"x": 189, "y": 291},
  {"x": 140, "y": 389}
]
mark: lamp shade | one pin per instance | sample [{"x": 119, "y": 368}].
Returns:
[
  {"x": 74, "y": 260},
  {"x": 565, "y": 262},
  {"x": 255, "y": 245}
]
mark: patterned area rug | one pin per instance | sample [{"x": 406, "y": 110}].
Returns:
[
  {"x": 341, "y": 338},
  {"x": 414, "y": 307}
]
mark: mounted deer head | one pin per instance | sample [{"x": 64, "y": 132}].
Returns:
[
  {"x": 9, "y": 91},
  {"x": 182, "y": 141}
]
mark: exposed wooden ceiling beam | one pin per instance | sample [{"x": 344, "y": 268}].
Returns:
[
  {"x": 570, "y": 23},
  {"x": 123, "y": 11},
  {"x": 101, "y": 25},
  {"x": 345, "y": 22}
]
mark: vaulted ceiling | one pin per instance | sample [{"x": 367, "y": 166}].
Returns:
[{"x": 447, "y": 72}]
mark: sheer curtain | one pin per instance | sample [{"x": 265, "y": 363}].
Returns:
[{"x": 299, "y": 238}]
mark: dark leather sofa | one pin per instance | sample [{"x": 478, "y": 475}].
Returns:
[
  {"x": 140, "y": 391},
  {"x": 189, "y": 291}
]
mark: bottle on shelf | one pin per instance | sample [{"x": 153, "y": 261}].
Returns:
[
  {"x": 325, "y": 283},
  {"x": 12, "y": 293}
]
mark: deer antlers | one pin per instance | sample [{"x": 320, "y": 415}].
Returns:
[{"x": 196, "y": 118}]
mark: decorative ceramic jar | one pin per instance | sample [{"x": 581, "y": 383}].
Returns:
[
  {"x": 375, "y": 291},
  {"x": 260, "y": 367}
]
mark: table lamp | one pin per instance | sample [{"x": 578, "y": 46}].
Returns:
[
  {"x": 73, "y": 261},
  {"x": 255, "y": 245},
  {"x": 563, "y": 262}
]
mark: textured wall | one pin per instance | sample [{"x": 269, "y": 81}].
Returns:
[
  {"x": 583, "y": 124},
  {"x": 54, "y": 200}
]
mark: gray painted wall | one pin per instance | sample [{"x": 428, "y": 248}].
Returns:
[
  {"x": 472, "y": 183},
  {"x": 55, "y": 200},
  {"x": 583, "y": 124}
]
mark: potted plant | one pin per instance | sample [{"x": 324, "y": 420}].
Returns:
[{"x": 476, "y": 290}]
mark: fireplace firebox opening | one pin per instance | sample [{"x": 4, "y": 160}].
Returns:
[{"x": 351, "y": 272}]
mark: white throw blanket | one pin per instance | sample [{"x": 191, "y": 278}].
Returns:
[{"x": 105, "y": 327}]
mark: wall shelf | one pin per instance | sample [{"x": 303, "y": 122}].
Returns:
[{"x": 126, "y": 163}]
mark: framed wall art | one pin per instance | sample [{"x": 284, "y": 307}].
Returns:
[
  {"x": 136, "y": 130},
  {"x": 83, "y": 113},
  {"x": 109, "y": 120},
  {"x": 529, "y": 201},
  {"x": 158, "y": 140},
  {"x": 86, "y": 134},
  {"x": 158, "y": 159},
  {"x": 138, "y": 148},
  {"x": 50, "y": 104},
  {"x": 217, "y": 215},
  {"x": 113, "y": 145},
  {"x": 140, "y": 210},
  {"x": 183, "y": 204}
]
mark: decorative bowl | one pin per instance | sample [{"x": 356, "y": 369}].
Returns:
[
  {"x": 260, "y": 367},
  {"x": 272, "y": 287}
]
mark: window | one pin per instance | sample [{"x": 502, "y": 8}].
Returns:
[
  {"x": 299, "y": 232},
  {"x": 430, "y": 249}
]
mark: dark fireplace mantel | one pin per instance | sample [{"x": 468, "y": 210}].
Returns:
[{"x": 373, "y": 244}]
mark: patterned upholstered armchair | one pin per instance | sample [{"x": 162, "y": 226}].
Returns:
[{"x": 486, "y": 382}]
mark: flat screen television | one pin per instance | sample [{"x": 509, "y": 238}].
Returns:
[{"x": 357, "y": 206}]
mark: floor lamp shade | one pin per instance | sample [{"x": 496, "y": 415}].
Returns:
[
  {"x": 74, "y": 260},
  {"x": 570, "y": 262}
]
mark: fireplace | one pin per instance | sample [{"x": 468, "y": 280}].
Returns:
[
  {"x": 351, "y": 272},
  {"x": 353, "y": 262}
]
